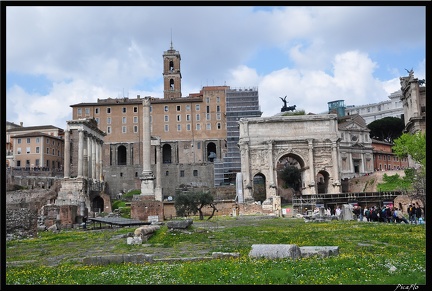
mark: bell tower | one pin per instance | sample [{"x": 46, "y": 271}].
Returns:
[{"x": 171, "y": 74}]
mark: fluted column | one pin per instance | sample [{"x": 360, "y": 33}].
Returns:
[
  {"x": 93, "y": 158},
  {"x": 80, "y": 152},
  {"x": 97, "y": 176},
  {"x": 66, "y": 166}
]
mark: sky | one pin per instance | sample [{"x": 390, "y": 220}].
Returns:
[{"x": 60, "y": 56}]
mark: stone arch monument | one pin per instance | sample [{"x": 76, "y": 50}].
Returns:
[{"x": 310, "y": 142}]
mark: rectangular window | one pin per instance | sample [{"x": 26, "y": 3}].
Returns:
[
  {"x": 47, "y": 140},
  {"x": 217, "y": 99},
  {"x": 208, "y": 109},
  {"x": 27, "y": 150},
  {"x": 124, "y": 120},
  {"x": 58, "y": 153},
  {"x": 108, "y": 109},
  {"x": 28, "y": 140},
  {"x": 208, "y": 116},
  {"x": 27, "y": 163},
  {"x": 135, "y": 109},
  {"x": 198, "y": 126},
  {"x": 108, "y": 120},
  {"x": 18, "y": 151},
  {"x": 188, "y": 117},
  {"x": 178, "y": 127},
  {"x": 188, "y": 127},
  {"x": 181, "y": 173},
  {"x": 38, "y": 140},
  {"x": 166, "y": 108},
  {"x": 178, "y": 117},
  {"x": 198, "y": 117},
  {"x": 208, "y": 126},
  {"x": 18, "y": 163},
  {"x": 199, "y": 145},
  {"x": 87, "y": 111},
  {"x": 124, "y": 109},
  {"x": 124, "y": 129},
  {"x": 187, "y": 107},
  {"x": 178, "y": 108},
  {"x": 47, "y": 151},
  {"x": 218, "y": 116},
  {"x": 97, "y": 120},
  {"x": 197, "y": 107},
  {"x": 97, "y": 110},
  {"x": 166, "y": 173},
  {"x": 207, "y": 99},
  {"x": 218, "y": 108},
  {"x": 166, "y": 118},
  {"x": 195, "y": 173},
  {"x": 166, "y": 128},
  {"x": 135, "y": 119},
  {"x": 135, "y": 128},
  {"x": 108, "y": 129},
  {"x": 19, "y": 141},
  {"x": 53, "y": 152},
  {"x": 37, "y": 163},
  {"x": 79, "y": 111},
  {"x": 37, "y": 150},
  {"x": 218, "y": 125}
]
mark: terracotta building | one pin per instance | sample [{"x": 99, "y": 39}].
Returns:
[
  {"x": 384, "y": 158},
  {"x": 35, "y": 147}
]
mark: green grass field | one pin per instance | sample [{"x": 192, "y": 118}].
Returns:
[{"x": 369, "y": 254}]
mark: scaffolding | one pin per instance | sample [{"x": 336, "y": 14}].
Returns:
[
  {"x": 240, "y": 103},
  {"x": 365, "y": 199}
]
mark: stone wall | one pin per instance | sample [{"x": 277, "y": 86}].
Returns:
[{"x": 21, "y": 221}]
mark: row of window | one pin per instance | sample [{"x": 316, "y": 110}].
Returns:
[
  {"x": 37, "y": 151},
  {"x": 166, "y": 127},
  {"x": 389, "y": 167},
  {"x": 37, "y": 164},
  {"x": 37, "y": 140},
  {"x": 135, "y": 109},
  {"x": 166, "y": 118},
  {"x": 388, "y": 158}
]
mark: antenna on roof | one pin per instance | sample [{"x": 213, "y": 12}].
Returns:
[{"x": 171, "y": 40}]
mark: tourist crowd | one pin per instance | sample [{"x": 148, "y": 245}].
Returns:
[{"x": 390, "y": 214}]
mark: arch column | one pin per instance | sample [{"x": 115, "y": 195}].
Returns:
[
  {"x": 272, "y": 173},
  {"x": 247, "y": 179},
  {"x": 311, "y": 178}
]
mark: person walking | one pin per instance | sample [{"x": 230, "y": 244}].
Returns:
[
  {"x": 360, "y": 213},
  {"x": 411, "y": 214}
]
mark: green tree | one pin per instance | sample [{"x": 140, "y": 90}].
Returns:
[
  {"x": 386, "y": 129},
  {"x": 191, "y": 203},
  {"x": 414, "y": 145},
  {"x": 291, "y": 176}
]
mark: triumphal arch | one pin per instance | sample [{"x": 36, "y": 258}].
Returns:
[{"x": 307, "y": 142}]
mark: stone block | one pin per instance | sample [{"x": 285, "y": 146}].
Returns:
[
  {"x": 321, "y": 251},
  {"x": 275, "y": 251}
]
